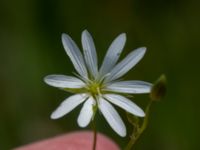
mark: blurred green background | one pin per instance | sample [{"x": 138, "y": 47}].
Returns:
[{"x": 30, "y": 48}]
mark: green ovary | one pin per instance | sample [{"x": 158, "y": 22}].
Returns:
[{"x": 94, "y": 89}]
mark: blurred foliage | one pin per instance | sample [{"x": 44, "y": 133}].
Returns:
[{"x": 30, "y": 48}]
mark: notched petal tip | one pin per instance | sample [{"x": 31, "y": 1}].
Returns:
[
  {"x": 66, "y": 40},
  {"x": 89, "y": 51},
  {"x": 123, "y": 35},
  {"x": 63, "y": 81},
  {"x": 142, "y": 49},
  {"x": 132, "y": 87},
  {"x": 86, "y": 113},
  {"x": 121, "y": 40},
  {"x": 64, "y": 36},
  {"x": 141, "y": 114},
  {"x": 113, "y": 54},
  {"x": 54, "y": 116},
  {"x": 125, "y": 104},
  {"x": 68, "y": 105},
  {"x": 47, "y": 79},
  {"x": 85, "y": 31},
  {"x": 127, "y": 63},
  {"x": 74, "y": 54},
  {"x": 112, "y": 117},
  {"x": 123, "y": 134}
]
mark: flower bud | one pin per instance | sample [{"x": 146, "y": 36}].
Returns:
[{"x": 158, "y": 90}]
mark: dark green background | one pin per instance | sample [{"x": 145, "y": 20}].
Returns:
[{"x": 30, "y": 48}]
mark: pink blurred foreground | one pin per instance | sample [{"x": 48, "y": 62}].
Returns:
[{"x": 72, "y": 141}]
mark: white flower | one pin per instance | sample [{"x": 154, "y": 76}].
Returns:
[{"x": 98, "y": 88}]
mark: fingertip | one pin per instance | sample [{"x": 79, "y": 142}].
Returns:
[{"x": 75, "y": 140}]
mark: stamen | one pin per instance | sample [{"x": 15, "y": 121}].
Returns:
[
  {"x": 103, "y": 77},
  {"x": 84, "y": 79},
  {"x": 99, "y": 92}
]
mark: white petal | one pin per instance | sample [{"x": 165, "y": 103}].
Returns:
[
  {"x": 68, "y": 105},
  {"x": 89, "y": 52},
  {"x": 126, "y": 64},
  {"x": 125, "y": 104},
  {"x": 75, "y": 55},
  {"x": 62, "y": 81},
  {"x": 113, "y": 53},
  {"x": 133, "y": 87},
  {"x": 112, "y": 117},
  {"x": 86, "y": 113}
]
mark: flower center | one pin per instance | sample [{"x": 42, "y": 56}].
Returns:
[{"x": 94, "y": 88}]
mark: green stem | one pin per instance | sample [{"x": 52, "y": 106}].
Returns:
[
  {"x": 134, "y": 137},
  {"x": 138, "y": 131},
  {"x": 131, "y": 142},
  {"x": 146, "y": 119},
  {"x": 94, "y": 135}
]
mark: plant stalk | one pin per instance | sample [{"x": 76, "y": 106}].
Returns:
[
  {"x": 138, "y": 131},
  {"x": 94, "y": 134}
]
